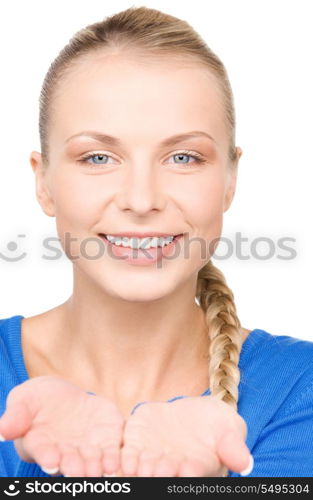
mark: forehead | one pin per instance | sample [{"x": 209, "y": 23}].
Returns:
[{"x": 137, "y": 98}]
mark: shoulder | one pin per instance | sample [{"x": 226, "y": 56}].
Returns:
[
  {"x": 10, "y": 329},
  {"x": 275, "y": 371},
  {"x": 291, "y": 351},
  {"x": 9, "y": 325},
  {"x": 279, "y": 360},
  {"x": 10, "y": 353}
]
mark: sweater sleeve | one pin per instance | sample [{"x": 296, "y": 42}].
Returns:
[
  {"x": 26, "y": 469},
  {"x": 284, "y": 446}
]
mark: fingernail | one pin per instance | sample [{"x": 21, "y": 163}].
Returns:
[
  {"x": 50, "y": 471},
  {"x": 248, "y": 469},
  {"x": 2, "y": 438},
  {"x": 109, "y": 475}
]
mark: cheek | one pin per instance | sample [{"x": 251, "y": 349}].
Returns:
[
  {"x": 205, "y": 205},
  {"x": 78, "y": 199},
  {"x": 79, "y": 205}
]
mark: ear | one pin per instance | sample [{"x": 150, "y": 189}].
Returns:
[
  {"x": 232, "y": 180},
  {"x": 42, "y": 189}
]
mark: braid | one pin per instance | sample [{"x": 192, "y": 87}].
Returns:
[{"x": 217, "y": 301}]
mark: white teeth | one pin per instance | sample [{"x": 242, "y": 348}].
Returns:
[
  {"x": 154, "y": 242},
  {"x": 142, "y": 243},
  {"x": 118, "y": 241}
]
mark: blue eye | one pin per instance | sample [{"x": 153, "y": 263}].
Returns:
[
  {"x": 180, "y": 155},
  {"x": 98, "y": 159},
  {"x": 102, "y": 158},
  {"x": 185, "y": 156}
]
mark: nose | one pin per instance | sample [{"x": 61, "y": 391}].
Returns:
[{"x": 141, "y": 190}]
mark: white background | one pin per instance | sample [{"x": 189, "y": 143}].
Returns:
[{"x": 266, "y": 47}]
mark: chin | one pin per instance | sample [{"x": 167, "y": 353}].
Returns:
[
  {"x": 136, "y": 284},
  {"x": 136, "y": 290},
  {"x": 139, "y": 295}
]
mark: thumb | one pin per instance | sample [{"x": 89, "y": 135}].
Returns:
[
  {"x": 234, "y": 453},
  {"x": 16, "y": 420}
]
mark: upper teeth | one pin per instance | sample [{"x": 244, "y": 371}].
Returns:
[{"x": 140, "y": 242}]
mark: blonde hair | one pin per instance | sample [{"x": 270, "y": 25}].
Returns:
[{"x": 150, "y": 33}]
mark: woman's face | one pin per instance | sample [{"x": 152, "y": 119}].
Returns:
[{"x": 138, "y": 182}]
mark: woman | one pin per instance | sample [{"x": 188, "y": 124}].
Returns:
[{"x": 137, "y": 130}]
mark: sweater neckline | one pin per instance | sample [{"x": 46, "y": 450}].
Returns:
[{"x": 251, "y": 341}]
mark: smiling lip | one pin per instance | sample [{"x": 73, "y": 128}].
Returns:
[
  {"x": 140, "y": 235},
  {"x": 141, "y": 256}
]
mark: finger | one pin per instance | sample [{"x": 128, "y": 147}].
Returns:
[
  {"x": 191, "y": 467},
  {"x": 92, "y": 456},
  {"x": 166, "y": 466},
  {"x": 117, "y": 474},
  {"x": 129, "y": 460},
  {"x": 44, "y": 452},
  {"x": 52, "y": 472},
  {"x": 15, "y": 421},
  {"x": 233, "y": 452},
  {"x": 111, "y": 461},
  {"x": 71, "y": 462},
  {"x": 146, "y": 463}
]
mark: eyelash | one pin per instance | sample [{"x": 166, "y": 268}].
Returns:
[{"x": 196, "y": 156}]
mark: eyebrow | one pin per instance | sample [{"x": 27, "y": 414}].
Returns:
[{"x": 114, "y": 141}]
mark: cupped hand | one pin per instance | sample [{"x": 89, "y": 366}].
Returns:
[
  {"x": 63, "y": 429},
  {"x": 194, "y": 436}
]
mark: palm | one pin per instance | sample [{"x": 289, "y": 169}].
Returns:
[
  {"x": 79, "y": 433},
  {"x": 184, "y": 438}
]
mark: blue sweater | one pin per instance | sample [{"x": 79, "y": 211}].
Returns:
[{"x": 275, "y": 400}]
